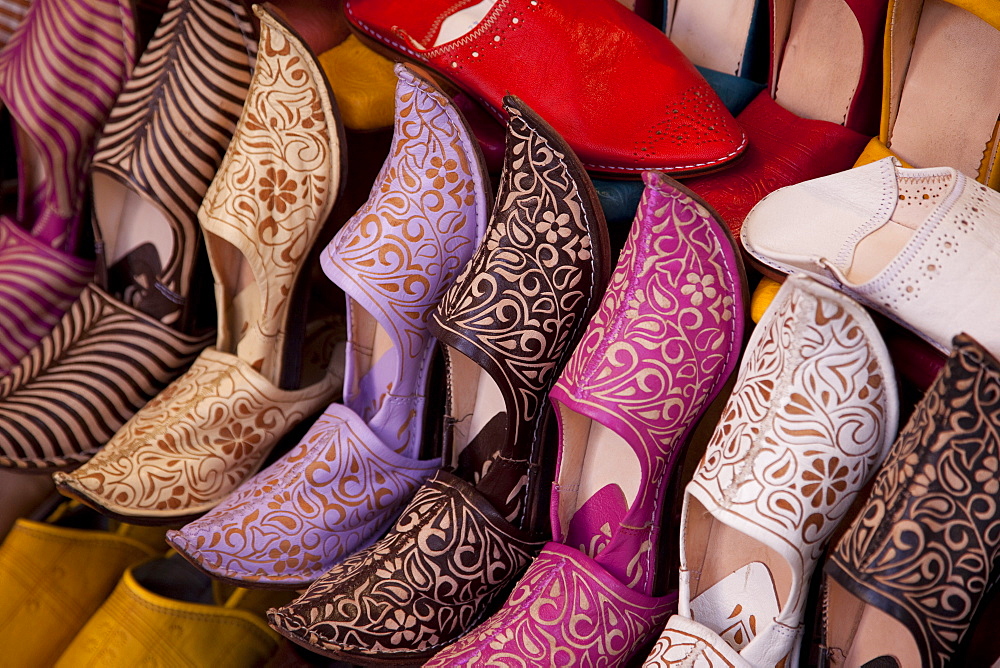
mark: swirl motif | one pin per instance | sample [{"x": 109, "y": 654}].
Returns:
[
  {"x": 925, "y": 546},
  {"x": 424, "y": 584},
  {"x": 565, "y": 611},
  {"x": 212, "y": 427},
  {"x": 521, "y": 303},
  {"x": 805, "y": 428},
  {"x": 659, "y": 348},
  {"x": 346, "y": 480},
  {"x": 406, "y": 245},
  {"x": 684, "y": 644}
]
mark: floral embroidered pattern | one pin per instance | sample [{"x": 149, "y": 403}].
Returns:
[
  {"x": 345, "y": 482},
  {"x": 656, "y": 353},
  {"x": 563, "y": 612},
  {"x": 212, "y": 428},
  {"x": 523, "y": 300},
  {"x": 809, "y": 421},
  {"x": 925, "y": 546},
  {"x": 428, "y": 581}
]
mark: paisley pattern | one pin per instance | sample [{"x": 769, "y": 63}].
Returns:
[
  {"x": 211, "y": 429},
  {"x": 194, "y": 443},
  {"x": 63, "y": 401},
  {"x": 326, "y": 499},
  {"x": 426, "y": 583},
  {"x": 665, "y": 339},
  {"x": 273, "y": 194},
  {"x": 343, "y": 485},
  {"x": 522, "y": 302},
  {"x": 809, "y": 421},
  {"x": 565, "y": 611},
  {"x": 926, "y": 545},
  {"x": 687, "y": 644},
  {"x": 424, "y": 219}
]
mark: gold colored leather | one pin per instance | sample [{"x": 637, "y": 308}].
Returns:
[
  {"x": 136, "y": 627},
  {"x": 52, "y": 579},
  {"x": 363, "y": 84}
]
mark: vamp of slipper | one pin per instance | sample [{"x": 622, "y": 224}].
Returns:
[{"x": 500, "y": 333}]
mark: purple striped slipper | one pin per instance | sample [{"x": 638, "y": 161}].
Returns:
[{"x": 60, "y": 72}]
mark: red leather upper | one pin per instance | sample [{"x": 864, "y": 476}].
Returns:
[{"x": 620, "y": 93}]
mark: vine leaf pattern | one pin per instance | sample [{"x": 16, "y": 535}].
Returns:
[
  {"x": 210, "y": 430},
  {"x": 563, "y": 612},
  {"x": 517, "y": 310},
  {"x": 428, "y": 581},
  {"x": 925, "y": 546},
  {"x": 424, "y": 219},
  {"x": 521, "y": 303},
  {"x": 665, "y": 339},
  {"x": 686, "y": 643},
  {"x": 346, "y": 481},
  {"x": 810, "y": 419}
]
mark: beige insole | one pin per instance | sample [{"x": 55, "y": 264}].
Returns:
[
  {"x": 128, "y": 221},
  {"x": 463, "y": 21},
  {"x": 822, "y": 60},
  {"x": 950, "y": 102},
  {"x": 476, "y": 399},
  {"x": 370, "y": 341},
  {"x": 593, "y": 457},
  {"x": 712, "y": 34},
  {"x": 715, "y": 552},
  {"x": 857, "y": 633},
  {"x": 916, "y": 199}
]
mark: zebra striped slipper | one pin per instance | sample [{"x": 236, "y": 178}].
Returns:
[
  {"x": 264, "y": 218},
  {"x": 134, "y": 330},
  {"x": 60, "y": 72}
]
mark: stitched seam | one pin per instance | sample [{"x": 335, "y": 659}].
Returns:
[{"x": 425, "y": 57}]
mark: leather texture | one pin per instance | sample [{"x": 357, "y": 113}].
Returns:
[
  {"x": 565, "y": 611},
  {"x": 902, "y": 25},
  {"x": 922, "y": 549},
  {"x": 363, "y": 84},
  {"x": 92, "y": 372},
  {"x": 592, "y": 103},
  {"x": 522, "y": 302},
  {"x": 211, "y": 429},
  {"x": 348, "y": 478},
  {"x": 429, "y": 580},
  {"x": 783, "y": 149},
  {"x": 12, "y": 12},
  {"x": 63, "y": 401},
  {"x": 811, "y": 418},
  {"x": 668, "y": 332},
  {"x": 53, "y": 578},
  {"x": 60, "y": 73},
  {"x": 136, "y": 626},
  {"x": 517, "y": 310},
  {"x": 687, "y": 644},
  {"x": 923, "y": 284},
  {"x": 669, "y": 328}
]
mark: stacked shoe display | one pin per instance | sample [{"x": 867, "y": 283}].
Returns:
[{"x": 501, "y": 403}]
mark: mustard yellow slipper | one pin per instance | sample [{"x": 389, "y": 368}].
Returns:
[
  {"x": 166, "y": 613},
  {"x": 54, "y": 574}
]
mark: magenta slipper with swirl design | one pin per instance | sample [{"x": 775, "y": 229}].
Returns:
[{"x": 658, "y": 351}]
